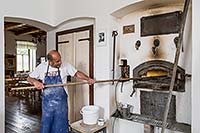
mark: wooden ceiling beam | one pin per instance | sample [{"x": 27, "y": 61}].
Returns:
[
  {"x": 23, "y": 29},
  {"x": 14, "y": 26},
  {"x": 28, "y": 32}
]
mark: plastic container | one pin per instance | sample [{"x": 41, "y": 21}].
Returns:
[
  {"x": 90, "y": 114},
  {"x": 101, "y": 122}
]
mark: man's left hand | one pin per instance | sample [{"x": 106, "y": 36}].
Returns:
[{"x": 91, "y": 81}]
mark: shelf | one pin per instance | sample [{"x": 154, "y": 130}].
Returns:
[{"x": 175, "y": 126}]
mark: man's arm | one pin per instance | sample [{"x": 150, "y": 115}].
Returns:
[
  {"x": 83, "y": 76},
  {"x": 35, "y": 82}
]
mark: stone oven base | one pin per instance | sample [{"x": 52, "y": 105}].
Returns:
[{"x": 175, "y": 126}]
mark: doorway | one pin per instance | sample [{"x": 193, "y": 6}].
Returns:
[
  {"x": 25, "y": 45},
  {"x": 76, "y": 48}
]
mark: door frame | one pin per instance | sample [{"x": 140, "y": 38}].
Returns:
[{"x": 91, "y": 53}]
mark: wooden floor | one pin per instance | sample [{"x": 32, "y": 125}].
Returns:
[{"x": 22, "y": 116}]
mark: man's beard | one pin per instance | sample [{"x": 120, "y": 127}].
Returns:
[{"x": 56, "y": 66}]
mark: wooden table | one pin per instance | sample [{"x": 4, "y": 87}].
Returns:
[
  {"x": 31, "y": 94},
  {"x": 80, "y": 127}
]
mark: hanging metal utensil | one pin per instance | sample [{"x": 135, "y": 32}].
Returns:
[{"x": 114, "y": 34}]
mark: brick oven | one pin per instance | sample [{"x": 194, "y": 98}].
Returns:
[
  {"x": 159, "y": 73},
  {"x": 154, "y": 81},
  {"x": 152, "y": 63}
]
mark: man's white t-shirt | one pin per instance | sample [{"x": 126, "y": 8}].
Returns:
[{"x": 65, "y": 70}]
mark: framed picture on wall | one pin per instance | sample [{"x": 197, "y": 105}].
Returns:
[
  {"x": 10, "y": 64},
  {"x": 101, "y": 38}
]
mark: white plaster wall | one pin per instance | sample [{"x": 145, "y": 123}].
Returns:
[
  {"x": 78, "y": 9},
  {"x": 51, "y": 40},
  {"x": 124, "y": 126},
  {"x": 87, "y": 8},
  {"x": 195, "y": 66},
  {"x": 31, "y": 9},
  {"x": 122, "y": 3},
  {"x": 75, "y": 23},
  {"x": 2, "y": 90}
]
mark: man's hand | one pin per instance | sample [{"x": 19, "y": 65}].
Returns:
[
  {"x": 91, "y": 81},
  {"x": 38, "y": 85},
  {"x": 83, "y": 76}
]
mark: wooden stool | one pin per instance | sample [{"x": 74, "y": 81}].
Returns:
[{"x": 80, "y": 127}]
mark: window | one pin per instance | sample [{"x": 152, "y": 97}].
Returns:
[{"x": 26, "y": 55}]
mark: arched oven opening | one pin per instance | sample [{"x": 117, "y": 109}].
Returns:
[{"x": 156, "y": 74}]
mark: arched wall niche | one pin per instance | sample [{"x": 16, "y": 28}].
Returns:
[
  {"x": 144, "y": 5},
  {"x": 75, "y": 22},
  {"x": 32, "y": 22}
]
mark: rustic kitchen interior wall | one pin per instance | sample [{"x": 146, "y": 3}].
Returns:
[{"x": 53, "y": 14}]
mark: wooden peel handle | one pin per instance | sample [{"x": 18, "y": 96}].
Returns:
[{"x": 71, "y": 84}]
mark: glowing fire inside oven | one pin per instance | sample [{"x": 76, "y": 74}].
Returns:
[{"x": 154, "y": 73}]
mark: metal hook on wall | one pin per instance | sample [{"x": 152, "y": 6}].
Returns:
[
  {"x": 156, "y": 43},
  {"x": 114, "y": 35},
  {"x": 137, "y": 44}
]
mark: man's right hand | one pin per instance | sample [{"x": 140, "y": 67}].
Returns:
[{"x": 38, "y": 85}]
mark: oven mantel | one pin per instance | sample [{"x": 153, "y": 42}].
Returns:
[{"x": 145, "y": 4}]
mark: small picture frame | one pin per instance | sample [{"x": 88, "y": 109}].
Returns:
[
  {"x": 10, "y": 63},
  {"x": 101, "y": 38}
]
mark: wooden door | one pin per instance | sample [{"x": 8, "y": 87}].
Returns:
[
  {"x": 66, "y": 48},
  {"x": 75, "y": 48},
  {"x": 81, "y": 63}
]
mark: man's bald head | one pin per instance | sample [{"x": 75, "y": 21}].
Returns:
[
  {"x": 54, "y": 58},
  {"x": 52, "y": 54}
]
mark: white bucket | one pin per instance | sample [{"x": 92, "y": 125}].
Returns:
[{"x": 90, "y": 114}]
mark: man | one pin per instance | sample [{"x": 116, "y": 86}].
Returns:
[{"x": 54, "y": 99}]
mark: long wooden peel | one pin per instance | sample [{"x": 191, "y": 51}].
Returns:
[
  {"x": 181, "y": 32},
  {"x": 74, "y": 83}
]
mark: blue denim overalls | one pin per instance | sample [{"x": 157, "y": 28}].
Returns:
[{"x": 54, "y": 106}]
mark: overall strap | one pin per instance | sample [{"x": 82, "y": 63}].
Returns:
[
  {"x": 58, "y": 72},
  {"x": 47, "y": 70}
]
